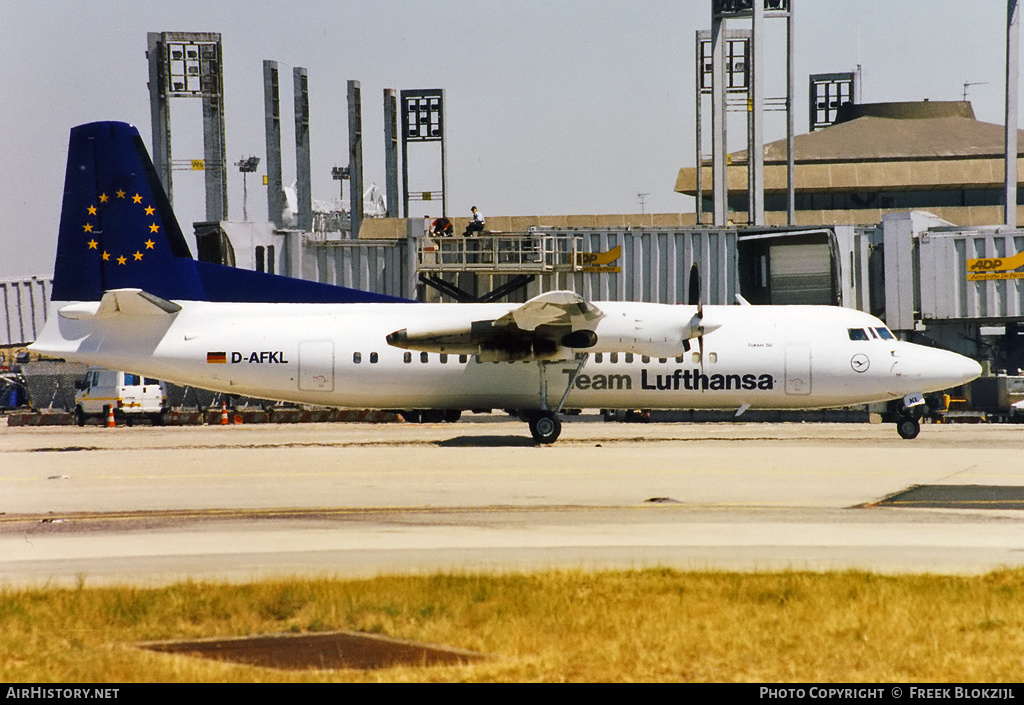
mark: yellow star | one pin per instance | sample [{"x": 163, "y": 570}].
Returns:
[
  {"x": 149, "y": 244},
  {"x": 137, "y": 255},
  {"x": 93, "y": 244},
  {"x": 106, "y": 256},
  {"x": 92, "y": 210},
  {"x": 122, "y": 260},
  {"x": 120, "y": 193},
  {"x": 136, "y": 198},
  {"x": 154, "y": 228},
  {"x": 87, "y": 227},
  {"x": 104, "y": 198},
  {"x": 149, "y": 210}
]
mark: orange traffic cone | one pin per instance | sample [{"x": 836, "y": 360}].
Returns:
[
  {"x": 110, "y": 417},
  {"x": 223, "y": 414}
]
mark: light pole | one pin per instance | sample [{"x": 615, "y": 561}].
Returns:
[
  {"x": 341, "y": 174},
  {"x": 246, "y": 166}
]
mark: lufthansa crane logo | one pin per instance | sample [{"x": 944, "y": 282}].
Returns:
[{"x": 860, "y": 362}]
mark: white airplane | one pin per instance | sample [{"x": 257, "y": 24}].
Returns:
[{"x": 128, "y": 295}]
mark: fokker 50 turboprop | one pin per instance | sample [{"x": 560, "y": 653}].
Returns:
[{"x": 128, "y": 295}]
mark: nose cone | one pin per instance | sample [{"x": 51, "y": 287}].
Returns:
[
  {"x": 935, "y": 369},
  {"x": 965, "y": 368}
]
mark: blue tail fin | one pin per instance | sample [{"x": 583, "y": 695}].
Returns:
[{"x": 117, "y": 230}]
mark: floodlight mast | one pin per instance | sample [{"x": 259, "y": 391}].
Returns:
[
  {"x": 1012, "y": 76},
  {"x": 246, "y": 165},
  {"x": 757, "y": 11}
]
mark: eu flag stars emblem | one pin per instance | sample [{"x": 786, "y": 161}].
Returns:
[{"x": 120, "y": 225}]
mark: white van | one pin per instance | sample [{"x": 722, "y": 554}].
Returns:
[{"x": 131, "y": 396}]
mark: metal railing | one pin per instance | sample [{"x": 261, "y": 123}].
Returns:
[{"x": 505, "y": 253}]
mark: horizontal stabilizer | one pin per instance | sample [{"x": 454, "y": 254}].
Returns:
[{"x": 127, "y": 302}]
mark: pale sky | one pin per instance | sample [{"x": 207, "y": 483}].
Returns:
[{"x": 553, "y": 107}]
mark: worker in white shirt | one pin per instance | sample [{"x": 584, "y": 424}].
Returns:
[{"x": 476, "y": 225}]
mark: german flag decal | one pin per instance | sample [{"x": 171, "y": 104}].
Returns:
[{"x": 217, "y": 357}]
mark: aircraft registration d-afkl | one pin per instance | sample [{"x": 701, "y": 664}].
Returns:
[{"x": 127, "y": 294}]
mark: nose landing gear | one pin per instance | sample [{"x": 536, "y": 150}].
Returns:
[
  {"x": 908, "y": 427},
  {"x": 907, "y": 415}
]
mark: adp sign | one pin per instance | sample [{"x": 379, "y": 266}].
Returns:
[
  {"x": 995, "y": 268},
  {"x": 599, "y": 261}
]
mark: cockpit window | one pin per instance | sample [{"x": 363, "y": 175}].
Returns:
[
  {"x": 885, "y": 334},
  {"x": 858, "y": 334}
]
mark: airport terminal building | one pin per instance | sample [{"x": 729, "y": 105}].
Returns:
[{"x": 877, "y": 159}]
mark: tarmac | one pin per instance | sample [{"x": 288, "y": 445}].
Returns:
[{"x": 154, "y": 505}]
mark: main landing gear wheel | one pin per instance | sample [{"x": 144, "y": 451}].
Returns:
[
  {"x": 908, "y": 428},
  {"x": 545, "y": 426}
]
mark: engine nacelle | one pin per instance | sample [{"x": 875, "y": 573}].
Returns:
[{"x": 658, "y": 333}]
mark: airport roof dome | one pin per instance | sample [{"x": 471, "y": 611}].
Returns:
[{"x": 894, "y": 131}]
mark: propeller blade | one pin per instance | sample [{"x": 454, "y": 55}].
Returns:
[
  {"x": 694, "y": 289},
  {"x": 695, "y": 300},
  {"x": 700, "y": 344}
]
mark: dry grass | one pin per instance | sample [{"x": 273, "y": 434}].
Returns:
[{"x": 654, "y": 625}]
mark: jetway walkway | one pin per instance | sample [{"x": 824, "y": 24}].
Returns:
[
  {"x": 502, "y": 253},
  {"x": 521, "y": 257}
]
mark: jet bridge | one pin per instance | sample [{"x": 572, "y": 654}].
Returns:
[{"x": 962, "y": 287}]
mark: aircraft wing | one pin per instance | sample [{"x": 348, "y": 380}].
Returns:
[
  {"x": 536, "y": 329},
  {"x": 554, "y": 308}
]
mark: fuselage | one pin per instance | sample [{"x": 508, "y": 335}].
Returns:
[{"x": 760, "y": 357}]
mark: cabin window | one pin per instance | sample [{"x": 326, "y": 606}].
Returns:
[
  {"x": 696, "y": 358},
  {"x": 407, "y": 357},
  {"x": 598, "y": 357},
  {"x": 645, "y": 359},
  {"x": 712, "y": 357},
  {"x": 614, "y": 357},
  {"x": 679, "y": 359},
  {"x": 885, "y": 334},
  {"x": 463, "y": 358},
  {"x": 858, "y": 334},
  {"x": 444, "y": 358},
  {"x": 373, "y": 358},
  {"x": 424, "y": 357},
  {"x": 629, "y": 357},
  {"x": 357, "y": 357},
  {"x": 663, "y": 360}
]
